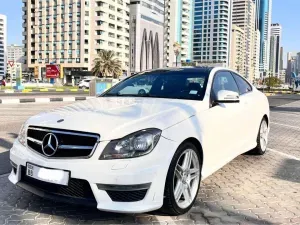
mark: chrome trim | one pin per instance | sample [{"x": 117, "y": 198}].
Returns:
[
  {"x": 114, "y": 187},
  {"x": 35, "y": 141},
  {"x": 75, "y": 147},
  {"x": 65, "y": 132}
]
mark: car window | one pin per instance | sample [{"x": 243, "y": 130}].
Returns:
[
  {"x": 243, "y": 85},
  {"x": 163, "y": 84},
  {"x": 223, "y": 80}
]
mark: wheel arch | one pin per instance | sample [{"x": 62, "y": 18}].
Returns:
[
  {"x": 198, "y": 145},
  {"x": 266, "y": 118}
]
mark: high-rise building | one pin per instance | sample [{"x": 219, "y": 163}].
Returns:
[
  {"x": 275, "y": 49},
  {"x": 237, "y": 50},
  {"x": 256, "y": 54},
  {"x": 281, "y": 59},
  {"x": 72, "y": 32},
  {"x": 243, "y": 16},
  {"x": 291, "y": 68},
  {"x": 15, "y": 53},
  {"x": 212, "y": 31},
  {"x": 264, "y": 26},
  {"x": 146, "y": 35},
  {"x": 3, "y": 40},
  {"x": 178, "y": 29}
]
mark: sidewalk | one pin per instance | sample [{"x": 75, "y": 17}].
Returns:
[{"x": 9, "y": 91}]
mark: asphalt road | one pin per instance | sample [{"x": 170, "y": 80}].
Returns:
[{"x": 248, "y": 190}]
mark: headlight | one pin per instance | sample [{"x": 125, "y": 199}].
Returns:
[
  {"x": 23, "y": 135},
  {"x": 134, "y": 145}
]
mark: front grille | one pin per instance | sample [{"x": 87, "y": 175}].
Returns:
[
  {"x": 71, "y": 144},
  {"x": 127, "y": 196},
  {"x": 76, "y": 188}
]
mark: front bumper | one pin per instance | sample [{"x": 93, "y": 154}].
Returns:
[{"x": 104, "y": 178}]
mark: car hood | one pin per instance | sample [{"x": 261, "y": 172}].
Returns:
[{"x": 115, "y": 117}]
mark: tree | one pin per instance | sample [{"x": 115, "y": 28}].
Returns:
[
  {"x": 107, "y": 65},
  {"x": 272, "y": 81}
]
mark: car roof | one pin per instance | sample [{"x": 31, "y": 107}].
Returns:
[{"x": 181, "y": 69}]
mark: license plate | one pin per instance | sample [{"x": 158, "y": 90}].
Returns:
[{"x": 47, "y": 175}]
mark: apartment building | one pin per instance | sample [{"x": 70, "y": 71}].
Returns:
[
  {"x": 178, "y": 29},
  {"x": 212, "y": 31},
  {"x": 3, "y": 40},
  {"x": 15, "y": 53},
  {"x": 72, "y": 32},
  {"x": 243, "y": 16},
  {"x": 256, "y": 54},
  {"x": 237, "y": 50},
  {"x": 146, "y": 35}
]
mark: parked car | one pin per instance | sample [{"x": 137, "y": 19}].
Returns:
[
  {"x": 84, "y": 84},
  {"x": 138, "y": 152},
  {"x": 2, "y": 83}
]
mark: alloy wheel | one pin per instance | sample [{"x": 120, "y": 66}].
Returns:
[
  {"x": 263, "y": 135},
  {"x": 186, "y": 178}
]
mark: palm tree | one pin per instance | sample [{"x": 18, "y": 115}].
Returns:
[{"x": 107, "y": 65}]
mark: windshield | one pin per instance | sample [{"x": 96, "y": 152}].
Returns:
[{"x": 163, "y": 84}]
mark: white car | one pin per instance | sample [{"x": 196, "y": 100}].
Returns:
[
  {"x": 84, "y": 84},
  {"x": 141, "y": 152}
]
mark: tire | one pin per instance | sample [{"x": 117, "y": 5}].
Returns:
[
  {"x": 174, "y": 207},
  {"x": 141, "y": 92},
  {"x": 261, "y": 147}
]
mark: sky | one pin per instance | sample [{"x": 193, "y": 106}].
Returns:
[{"x": 285, "y": 12}]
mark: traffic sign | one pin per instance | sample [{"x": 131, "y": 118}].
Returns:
[{"x": 11, "y": 63}]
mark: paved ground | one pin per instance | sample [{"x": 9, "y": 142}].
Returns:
[{"x": 249, "y": 190}]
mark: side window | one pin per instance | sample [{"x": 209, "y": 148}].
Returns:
[
  {"x": 243, "y": 85},
  {"x": 223, "y": 80}
]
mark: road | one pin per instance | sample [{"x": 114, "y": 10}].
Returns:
[
  {"x": 249, "y": 190},
  {"x": 37, "y": 94}
]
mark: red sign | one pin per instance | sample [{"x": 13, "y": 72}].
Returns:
[
  {"x": 52, "y": 71},
  {"x": 11, "y": 63}
]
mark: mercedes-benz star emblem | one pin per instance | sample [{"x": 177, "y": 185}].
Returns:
[{"x": 50, "y": 144}]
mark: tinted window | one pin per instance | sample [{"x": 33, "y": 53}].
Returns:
[
  {"x": 181, "y": 84},
  {"x": 243, "y": 85},
  {"x": 223, "y": 81}
]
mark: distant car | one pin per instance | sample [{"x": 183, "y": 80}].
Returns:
[
  {"x": 84, "y": 84},
  {"x": 2, "y": 83}
]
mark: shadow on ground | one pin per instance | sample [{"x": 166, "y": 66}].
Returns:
[
  {"x": 289, "y": 170},
  {"x": 19, "y": 205}
]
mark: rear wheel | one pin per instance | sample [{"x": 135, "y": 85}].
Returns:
[
  {"x": 183, "y": 180},
  {"x": 262, "y": 139}
]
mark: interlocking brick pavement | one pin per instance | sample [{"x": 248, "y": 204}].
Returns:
[{"x": 249, "y": 190}]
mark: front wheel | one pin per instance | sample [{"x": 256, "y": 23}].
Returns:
[{"x": 183, "y": 180}]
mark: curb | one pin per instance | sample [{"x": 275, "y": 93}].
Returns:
[
  {"x": 29, "y": 90},
  {"x": 270, "y": 94},
  {"x": 42, "y": 100}
]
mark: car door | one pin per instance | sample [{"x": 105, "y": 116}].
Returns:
[
  {"x": 222, "y": 124},
  {"x": 250, "y": 112}
]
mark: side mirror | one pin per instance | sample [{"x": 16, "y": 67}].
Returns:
[{"x": 225, "y": 96}]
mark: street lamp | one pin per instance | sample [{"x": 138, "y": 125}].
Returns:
[{"x": 177, "y": 50}]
